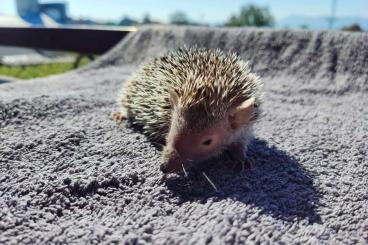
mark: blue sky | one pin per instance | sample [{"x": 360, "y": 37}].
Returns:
[{"x": 212, "y": 11}]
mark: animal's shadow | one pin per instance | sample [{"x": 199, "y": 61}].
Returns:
[{"x": 277, "y": 183}]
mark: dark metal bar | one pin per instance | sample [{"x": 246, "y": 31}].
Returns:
[{"x": 81, "y": 40}]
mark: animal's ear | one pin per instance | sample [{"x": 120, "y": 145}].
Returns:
[
  {"x": 173, "y": 97},
  {"x": 241, "y": 115}
]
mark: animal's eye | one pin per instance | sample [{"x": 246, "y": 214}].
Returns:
[{"x": 207, "y": 142}]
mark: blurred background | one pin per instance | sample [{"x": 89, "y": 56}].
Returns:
[
  {"x": 307, "y": 14},
  {"x": 344, "y": 15}
]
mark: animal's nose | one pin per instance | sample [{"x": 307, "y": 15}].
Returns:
[
  {"x": 172, "y": 165},
  {"x": 170, "y": 161}
]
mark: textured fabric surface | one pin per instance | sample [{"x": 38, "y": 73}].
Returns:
[{"x": 69, "y": 174}]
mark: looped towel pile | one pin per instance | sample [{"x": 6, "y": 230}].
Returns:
[{"x": 69, "y": 174}]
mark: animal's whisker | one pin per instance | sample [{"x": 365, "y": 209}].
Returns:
[
  {"x": 185, "y": 172},
  {"x": 211, "y": 183},
  {"x": 177, "y": 153}
]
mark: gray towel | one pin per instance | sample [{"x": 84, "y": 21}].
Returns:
[{"x": 69, "y": 174}]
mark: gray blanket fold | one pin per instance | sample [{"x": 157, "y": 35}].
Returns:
[{"x": 69, "y": 174}]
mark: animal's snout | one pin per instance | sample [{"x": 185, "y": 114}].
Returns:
[{"x": 172, "y": 162}]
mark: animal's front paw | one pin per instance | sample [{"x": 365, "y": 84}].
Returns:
[
  {"x": 239, "y": 158},
  {"x": 118, "y": 116},
  {"x": 249, "y": 162},
  {"x": 241, "y": 162}
]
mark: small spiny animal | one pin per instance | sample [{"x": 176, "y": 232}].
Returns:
[{"x": 197, "y": 102}]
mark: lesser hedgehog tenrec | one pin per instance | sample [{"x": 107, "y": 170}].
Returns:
[{"x": 198, "y": 102}]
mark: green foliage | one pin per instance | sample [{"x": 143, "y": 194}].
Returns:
[
  {"x": 353, "y": 27},
  {"x": 303, "y": 26},
  {"x": 251, "y": 15},
  {"x": 179, "y": 18},
  {"x": 146, "y": 19},
  {"x": 34, "y": 71}
]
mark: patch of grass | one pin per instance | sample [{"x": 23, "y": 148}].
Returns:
[{"x": 34, "y": 71}]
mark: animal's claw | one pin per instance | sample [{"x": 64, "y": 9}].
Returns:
[
  {"x": 249, "y": 161},
  {"x": 238, "y": 157},
  {"x": 245, "y": 163}
]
